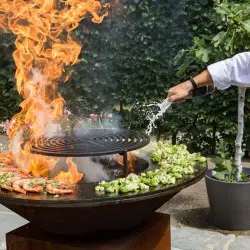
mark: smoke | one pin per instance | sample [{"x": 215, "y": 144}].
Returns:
[
  {"x": 146, "y": 151},
  {"x": 16, "y": 143},
  {"x": 53, "y": 129},
  {"x": 93, "y": 171}
]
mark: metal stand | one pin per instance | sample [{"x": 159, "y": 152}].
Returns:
[{"x": 125, "y": 163}]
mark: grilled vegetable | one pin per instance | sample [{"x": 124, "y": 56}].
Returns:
[{"x": 174, "y": 162}]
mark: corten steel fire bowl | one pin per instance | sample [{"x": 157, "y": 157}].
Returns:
[{"x": 86, "y": 211}]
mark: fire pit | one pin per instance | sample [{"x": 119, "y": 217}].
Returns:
[{"x": 86, "y": 211}]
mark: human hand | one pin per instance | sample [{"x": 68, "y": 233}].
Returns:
[{"x": 180, "y": 92}]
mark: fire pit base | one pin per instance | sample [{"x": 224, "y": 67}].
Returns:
[
  {"x": 153, "y": 235},
  {"x": 95, "y": 220}
]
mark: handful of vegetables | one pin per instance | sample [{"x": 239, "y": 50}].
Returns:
[{"x": 174, "y": 162}]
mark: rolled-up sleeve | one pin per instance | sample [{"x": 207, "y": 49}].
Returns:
[{"x": 233, "y": 71}]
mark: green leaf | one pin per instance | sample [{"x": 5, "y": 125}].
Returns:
[
  {"x": 183, "y": 68},
  {"x": 205, "y": 56},
  {"x": 220, "y": 168},
  {"x": 207, "y": 37},
  {"x": 199, "y": 53},
  {"x": 132, "y": 8},
  {"x": 229, "y": 44},
  {"x": 246, "y": 25},
  {"x": 179, "y": 56},
  {"x": 219, "y": 38},
  {"x": 229, "y": 167},
  {"x": 220, "y": 176},
  {"x": 199, "y": 42},
  {"x": 223, "y": 155},
  {"x": 244, "y": 177},
  {"x": 202, "y": 54},
  {"x": 217, "y": 160}
]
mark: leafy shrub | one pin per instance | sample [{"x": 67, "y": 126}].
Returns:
[{"x": 138, "y": 52}]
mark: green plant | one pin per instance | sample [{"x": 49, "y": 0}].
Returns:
[
  {"x": 220, "y": 32},
  {"x": 225, "y": 168},
  {"x": 9, "y": 98}
]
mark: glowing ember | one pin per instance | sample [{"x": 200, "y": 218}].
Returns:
[
  {"x": 44, "y": 47},
  {"x": 131, "y": 161}
]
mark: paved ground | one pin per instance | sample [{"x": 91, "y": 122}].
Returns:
[
  {"x": 191, "y": 227},
  {"x": 190, "y": 208}
]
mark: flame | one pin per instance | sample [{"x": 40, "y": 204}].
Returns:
[
  {"x": 72, "y": 175},
  {"x": 44, "y": 47},
  {"x": 131, "y": 161},
  {"x": 68, "y": 76}
]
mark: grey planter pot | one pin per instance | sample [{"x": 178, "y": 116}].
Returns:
[{"x": 229, "y": 203}]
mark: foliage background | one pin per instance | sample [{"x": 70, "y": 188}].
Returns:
[{"x": 142, "y": 49}]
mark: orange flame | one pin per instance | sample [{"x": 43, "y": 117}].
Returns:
[
  {"x": 44, "y": 47},
  {"x": 72, "y": 175}
]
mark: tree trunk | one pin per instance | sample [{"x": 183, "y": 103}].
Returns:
[
  {"x": 121, "y": 107},
  {"x": 158, "y": 135},
  {"x": 174, "y": 138},
  {"x": 214, "y": 139},
  {"x": 210, "y": 3},
  {"x": 238, "y": 142}
]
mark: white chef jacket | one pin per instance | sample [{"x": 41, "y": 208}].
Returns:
[{"x": 233, "y": 71}]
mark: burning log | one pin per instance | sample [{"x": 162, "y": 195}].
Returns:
[{"x": 131, "y": 158}]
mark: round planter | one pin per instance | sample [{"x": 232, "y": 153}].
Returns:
[{"x": 229, "y": 203}]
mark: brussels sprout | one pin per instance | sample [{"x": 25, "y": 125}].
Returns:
[
  {"x": 111, "y": 189},
  {"x": 154, "y": 182},
  {"x": 99, "y": 188},
  {"x": 123, "y": 189},
  {"x": 132, "y": 177},
  {"x": 177, "y": 175},
  {"x": 174, "y": 161},
  {"x": 163, "y": 180},
  {"x": 144, "y": 180},
  {"x": 156, "y": 157},
  {"x": 143, "y": 186},
  {"x": 150, "y": 174}
]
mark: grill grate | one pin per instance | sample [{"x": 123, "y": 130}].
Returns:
[{"x": 90, "y": 142}]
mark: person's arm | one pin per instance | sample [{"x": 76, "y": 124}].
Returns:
[
  {"x": 233, "y": 71},
  {"x": 180, "y": 92},
  {"x": 223, "y": 74}
]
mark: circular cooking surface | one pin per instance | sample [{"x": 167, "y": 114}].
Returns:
[
  {"x": 86, "y": 196},
  {"x": 90, "y": 142}
]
